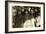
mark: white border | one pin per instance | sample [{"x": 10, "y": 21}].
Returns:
[{"x": 10, "y": 4}]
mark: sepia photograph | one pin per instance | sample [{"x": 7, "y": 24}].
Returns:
[{"x": 24, "y": 16}]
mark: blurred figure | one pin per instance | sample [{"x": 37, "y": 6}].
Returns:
[{"x": 34, "y": 22}]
